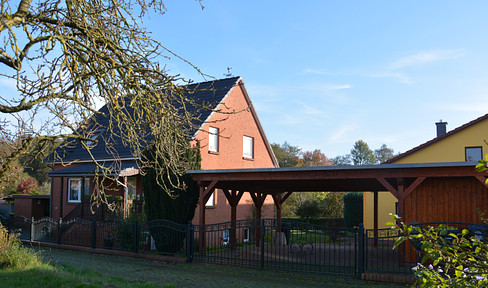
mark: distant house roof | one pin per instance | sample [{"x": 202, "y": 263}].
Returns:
[
  {"x": 210, "y": 93},
  {"x": 124, "y": 168},
  {"x": 437, "y": 139}
]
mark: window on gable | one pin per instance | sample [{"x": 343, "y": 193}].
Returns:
[
  {"x": 248, "y": 147},
  {"x": 473, "y": 153},
  {"x": 213, "y": 139},
  {"x": 74, "y": 190}
]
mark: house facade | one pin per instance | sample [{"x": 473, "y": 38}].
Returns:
[
  {"x": 229, "y": 140},
  {"x": 467, "y": 143}
]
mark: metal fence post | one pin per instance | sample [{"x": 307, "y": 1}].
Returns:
[
  {"x": 94, "y": 233},
  {"x": 189, "y": 242},
  {"x": 135, "y": 235},
  {"x": 31, "y": 238},
  {"x": 60, "y": 233},
  {"x": 263, "y": 231},
  {"x": 360, "y": 256}
]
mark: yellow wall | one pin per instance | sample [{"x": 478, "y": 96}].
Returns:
[{"x": 449, "y": 149}]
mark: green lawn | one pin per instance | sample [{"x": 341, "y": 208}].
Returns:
[{"x": 93, "y": 270}]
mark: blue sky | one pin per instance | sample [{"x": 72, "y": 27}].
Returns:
[{"x": 324, "y": 74}]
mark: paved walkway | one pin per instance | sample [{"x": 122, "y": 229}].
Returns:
[{"x": 197, "y": 275}]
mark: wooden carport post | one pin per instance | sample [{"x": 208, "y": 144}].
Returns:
[
  {"x": 375, "y": 224},
  {"x": 233, "y": 197},
  {"x": 400, "y": 192},
  {"x": 205, "y": 193},
  {"x": 258, "y": 200},
  {"x": 278, "y": 200}
]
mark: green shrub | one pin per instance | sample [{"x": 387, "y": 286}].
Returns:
[
  {"x": 308, "y": 209},
  {"x": 353, "y": 209},
  {"x": 13, "y": 255}
]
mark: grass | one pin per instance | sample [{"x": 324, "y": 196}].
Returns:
[
  {"x": 21, "y": 266},
  {"x": 47, "y": 275}
]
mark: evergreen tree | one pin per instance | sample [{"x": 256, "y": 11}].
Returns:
[{"x": 176, "y": 205}]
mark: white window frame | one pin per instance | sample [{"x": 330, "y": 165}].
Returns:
[
  {"x": 211, "y": 200},
  {"x": 78, "y": 192},
  {"x": 247, "y": 147},
  {"x": 473, "y": 149},
  {"x": 246, "y": 236},
  {"x": 86, "y": 187},
  {"x": 213, "y": 139}
]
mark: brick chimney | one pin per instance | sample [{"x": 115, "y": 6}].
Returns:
[{"x": 441, "y": 128}]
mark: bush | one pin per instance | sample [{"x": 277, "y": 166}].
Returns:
[
  {"x": 309, "y": 209},
  {"x": 13, "y": 255},
  {"x": 449, "y": 259},
  {"x": 353, "y": 209}
]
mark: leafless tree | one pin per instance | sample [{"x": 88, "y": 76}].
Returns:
[{"x": 65, "y": 56}]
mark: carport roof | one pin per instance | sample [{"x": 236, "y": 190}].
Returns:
[{"x": 330, "y": 178}]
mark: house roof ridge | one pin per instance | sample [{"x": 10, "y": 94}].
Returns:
[{"x": 437, "y": 139}]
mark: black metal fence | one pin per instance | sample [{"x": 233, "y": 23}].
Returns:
[
  {"x": 279, "y": 245},
  {"x": 264, "y": 244}
]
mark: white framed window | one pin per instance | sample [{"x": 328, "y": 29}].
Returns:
[
  {"x": 248, "y": 147},
  {"x": 246, "y": 235},
  {"x": 211, "y": 200},
  {"x": 131, "y": 187},
  {"x": 473, "y": 153},
  {"x": 225, "y": 237},
  {"x": 86, "y": 187},
  {"x": 74, "y": 190},
  {"x": 213, "y": 139}
]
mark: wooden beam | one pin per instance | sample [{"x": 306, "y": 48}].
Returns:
[
  {"x": 208, "y": 191},
  {"x": 388, "y": 186},
  {"x": 481, "y": 178},
  {"x": 414, "y": 185},
  {"x": 285, "y": 197}
]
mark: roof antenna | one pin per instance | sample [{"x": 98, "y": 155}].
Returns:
[{"x": 229, "y": 72}]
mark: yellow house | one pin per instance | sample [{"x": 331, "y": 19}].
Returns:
[{"x": 468, "y": 142}]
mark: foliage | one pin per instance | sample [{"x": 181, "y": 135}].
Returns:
[
  {"x": 13, "y": 255},
  {"x": 341, "y": 160},
  {"x": 65, "y": 58},
  {"x": 383, "y": 154},
  {"x": 331, "y": 204},
  {"x": 27, "y": 185},
  {"x": 483, "y": 166},
  {"x": 125, "y": 228},
  {"x": 286, "y": 154},
  {"x": 313, "y": 158},
  {"x": 178, "y": 206},
  {"x": 353, "y": 209},
  {"x": 449, "y": 259},
  {"x": 361, "y": 154},
  {"x": 308, "y": 209}
]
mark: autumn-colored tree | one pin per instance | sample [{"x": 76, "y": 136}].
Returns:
[{"x": 313, "y": 158}]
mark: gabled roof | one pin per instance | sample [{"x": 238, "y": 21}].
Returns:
[
  {"x": 437, "y": 139},
  {"x": 208, "y": 93}
]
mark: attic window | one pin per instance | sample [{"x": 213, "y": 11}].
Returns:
[
  {"x": 473, "y": 153},
  {"x": 247, "y": 147},
  {"x": 213, "y": 139},
  {"x": 94, "y": 135}
]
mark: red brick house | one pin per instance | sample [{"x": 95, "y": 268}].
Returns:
[{"x": 227, "y": 141}]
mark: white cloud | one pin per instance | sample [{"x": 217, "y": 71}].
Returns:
[
  {"x": 469, "y": 107},
  {"x": 309, "y": 110},
  {"x": 425, "y": 57},
  {"x": 343, "y": 130},
  {"x": 397, "y": 76},
  {"x": 317, "y": 72}
]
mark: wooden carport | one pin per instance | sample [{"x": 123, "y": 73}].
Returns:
[{"x": 401, "y": 180}]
